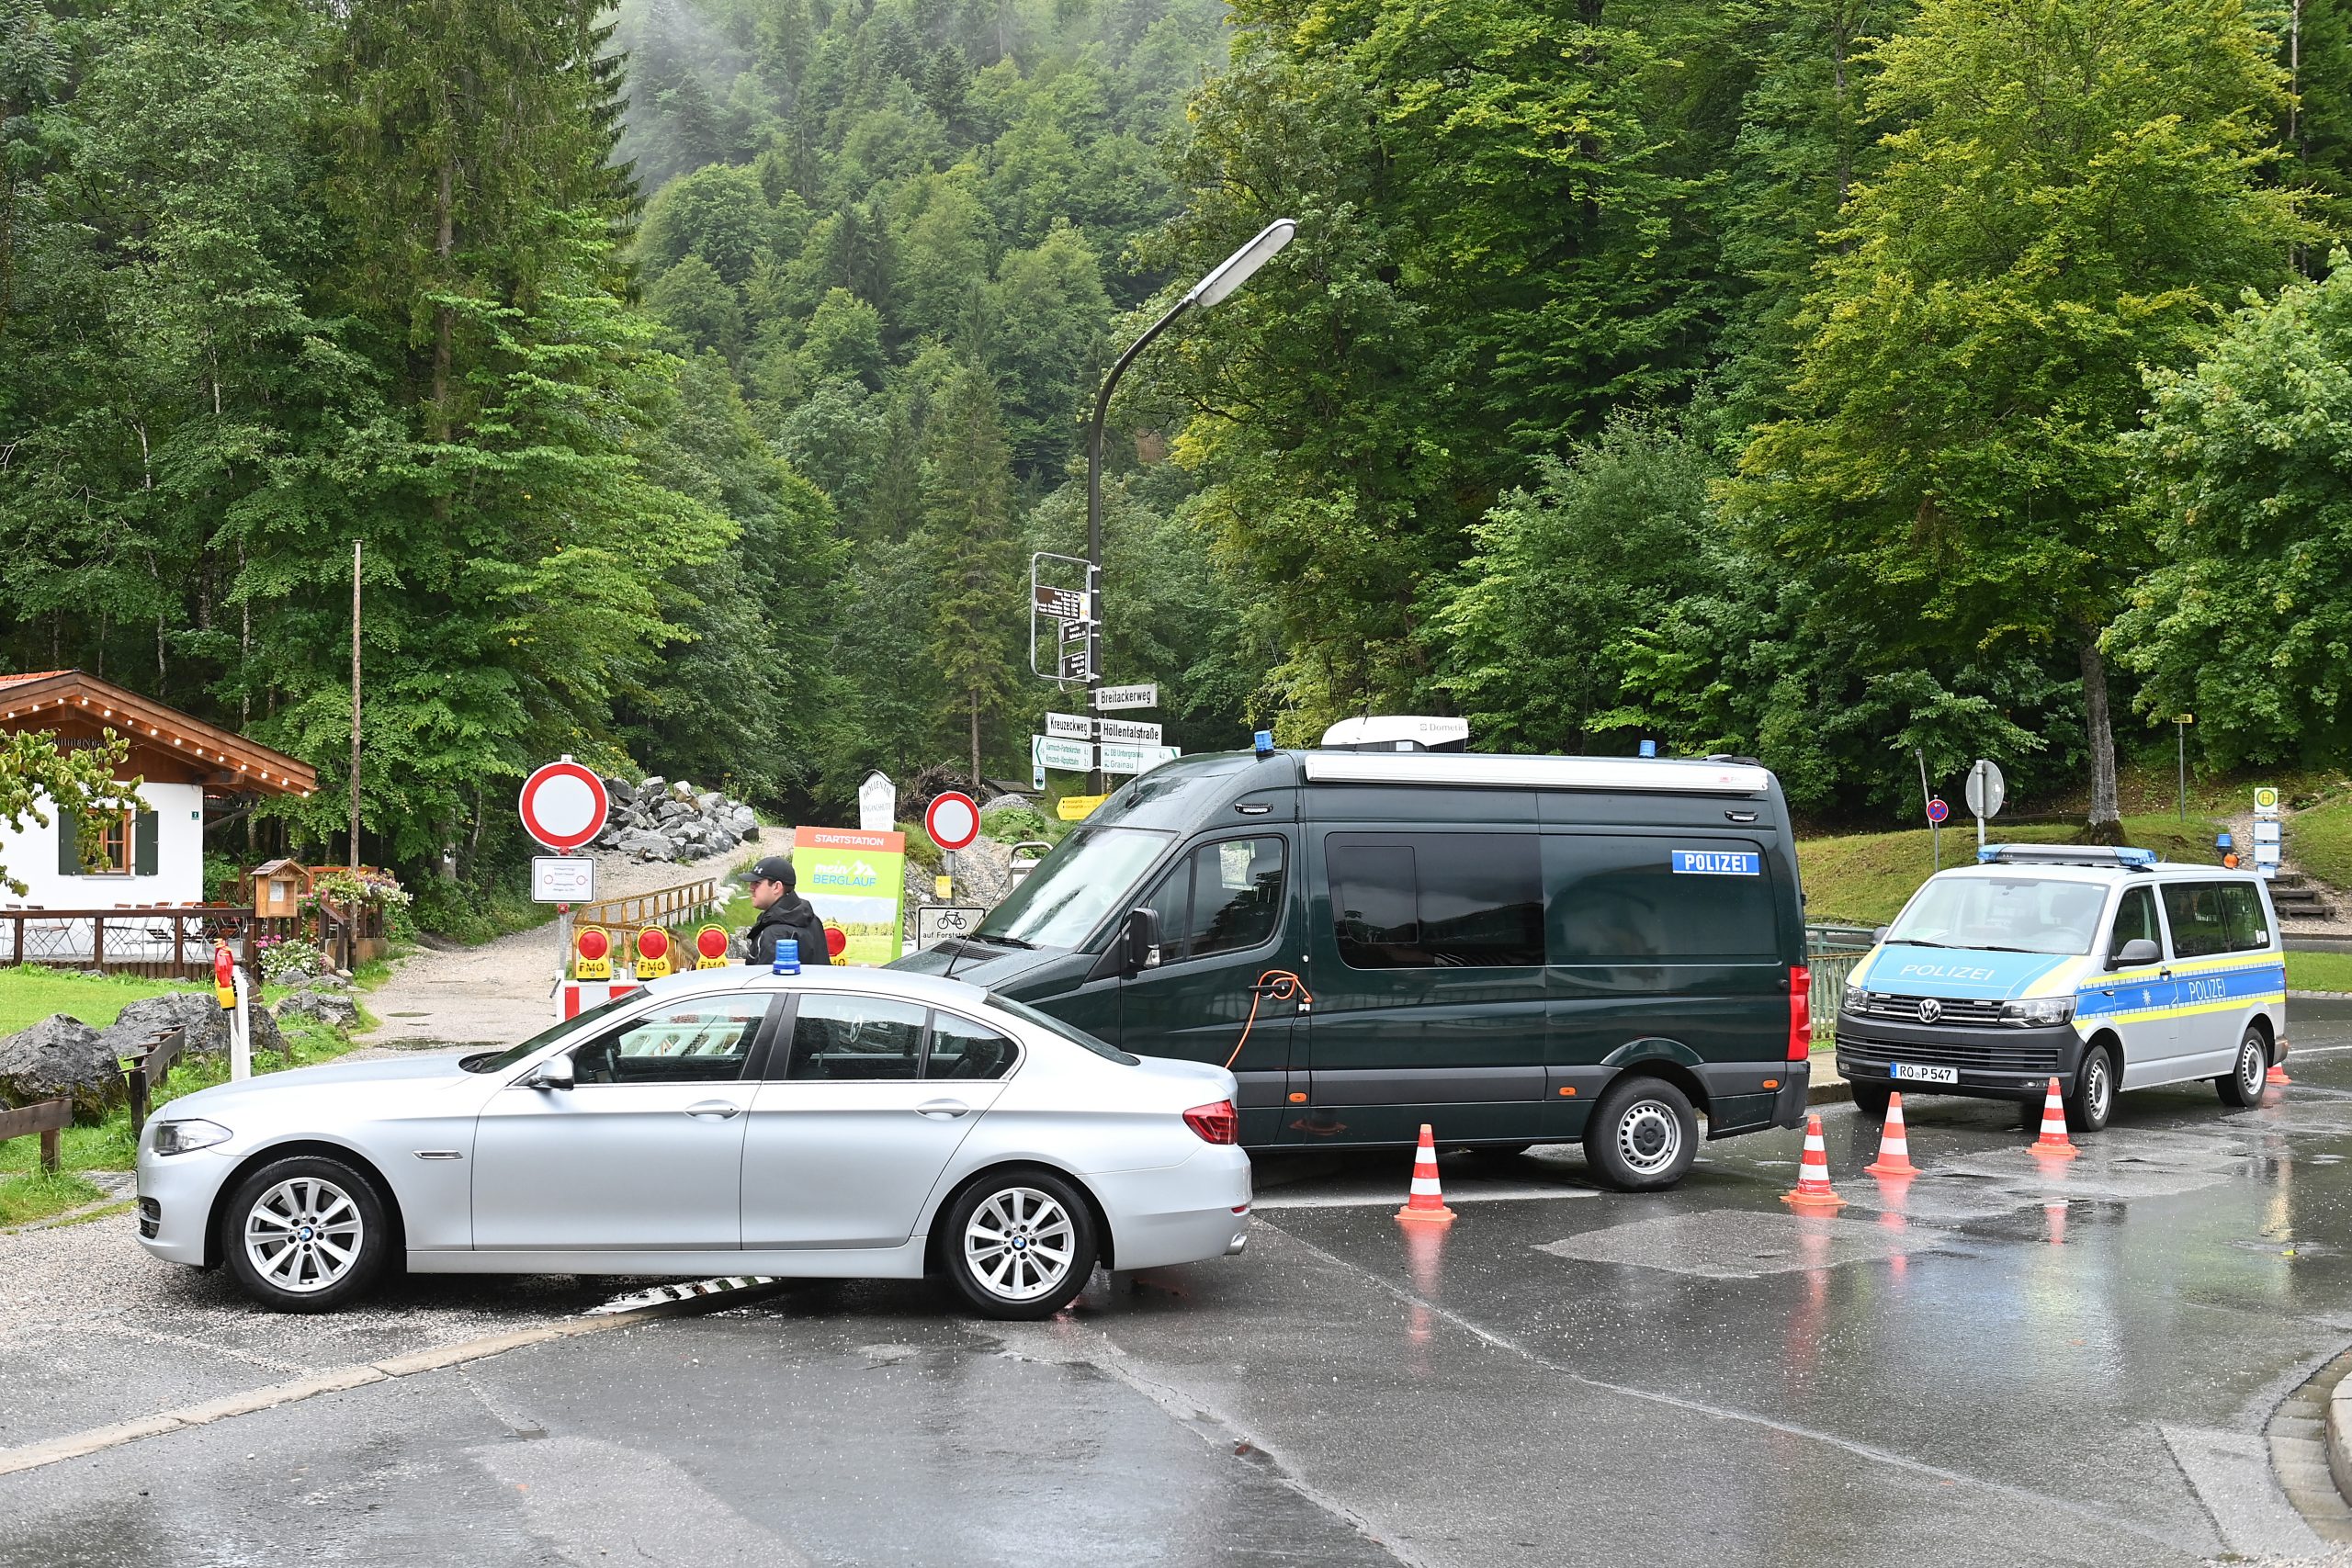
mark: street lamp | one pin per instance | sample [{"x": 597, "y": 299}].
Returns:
[{"x": 1227, "y": 275}]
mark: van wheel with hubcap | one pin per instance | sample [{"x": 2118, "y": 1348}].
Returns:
[
  {"x": 2243, "y": 1085},
  {"x": 2093, "y": 1101},
  {"x": 1019, "y": 1244},
  {"x": 1871, "y": 1098},
  {"x": 305, "y": 1235},
  {"x": 1644, "y": 1135}
]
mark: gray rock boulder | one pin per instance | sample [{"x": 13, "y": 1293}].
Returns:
[
  {"x": 620, "y": 791},
  {"x": 61, "y": 1058},
  {"x": 327, "y": 1007},
  {"x": 205, "y": 1020},
  {"x": 653, "y": 785}
]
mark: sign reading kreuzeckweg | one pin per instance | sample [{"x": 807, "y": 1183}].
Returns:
[
  {"x": 1145, "y": 695},
  {"x": 1069, "y": 725}
]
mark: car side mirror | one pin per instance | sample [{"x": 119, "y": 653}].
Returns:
[
  {"x": 1879, "y": 935},
  {"x": 556, "y": 1072},
  {"x": 2136, "y": 952},
  {"x": 1139, "y": 942}
]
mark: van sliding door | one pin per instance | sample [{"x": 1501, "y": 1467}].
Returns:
[{"x": 1427, "y": 954}]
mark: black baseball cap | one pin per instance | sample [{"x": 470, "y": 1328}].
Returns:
[{"x": 775, "y": 868}]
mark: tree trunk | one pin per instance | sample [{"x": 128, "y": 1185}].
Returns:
[
  {"x": 976, "y": 743},
  {"x": 444, "y": 323},
  {"x": 2106, "y": 814}
]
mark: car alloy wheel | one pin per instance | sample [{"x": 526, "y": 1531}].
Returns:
[
  {"x": 1019, "y": 1244},
  {"x": 304, "y": 1235},
  {"x": 1649, "y": 1136}
]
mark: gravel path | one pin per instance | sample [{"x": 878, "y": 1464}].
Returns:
[{"x": 500, "y": 992}]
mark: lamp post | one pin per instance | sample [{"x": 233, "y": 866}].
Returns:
[
  {"x": 1227, "y": 275},
  {"x": 2180, "y": 731}
]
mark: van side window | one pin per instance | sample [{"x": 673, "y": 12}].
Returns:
[
  {"x": 2198, "y": 925},
  {"x": 2242, "y": 909},
  {"x": 1436, "y": 901},
  {"x": 1615, "y": 899},
  {"x": 2136, "y": 920},
  {"x": 1223, "y": 897}
]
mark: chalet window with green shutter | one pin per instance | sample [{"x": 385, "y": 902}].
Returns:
[{"x": 128, "y": 845}]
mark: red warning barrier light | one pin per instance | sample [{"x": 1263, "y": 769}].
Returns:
[
  {"x": 593, "y": 942},
  {"x": 653, "y": 943},
  {"x": 711, "y": 943},
  {"x": 836, "y": 940}
]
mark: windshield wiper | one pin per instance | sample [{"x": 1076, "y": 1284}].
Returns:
[
  {"x": 999, "y": 939},
  {"x": 1996, "y": 947},
  {"x": 1914, "y": 942}
]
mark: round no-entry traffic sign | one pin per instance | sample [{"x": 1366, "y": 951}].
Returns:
[
  {"x": 1938, "y": 811},
  {"x": 563, "y": 804},
  {"x": 952, "y": 820}
]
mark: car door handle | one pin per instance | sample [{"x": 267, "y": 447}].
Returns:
[
  {"x": 939, "y": 1108},
  {"x": 717, "y": 1108}
]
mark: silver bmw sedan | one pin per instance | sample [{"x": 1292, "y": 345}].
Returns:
[{"x": 837, "y": 1122}]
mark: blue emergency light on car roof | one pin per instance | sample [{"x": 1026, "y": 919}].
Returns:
[
  {"x": 2066, "y": 854},
  {"x": 788, "y": 955},
  {"x": 1262, "y": 742}
]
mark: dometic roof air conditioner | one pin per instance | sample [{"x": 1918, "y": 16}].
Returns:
[{"x": 1398, "y": 732}]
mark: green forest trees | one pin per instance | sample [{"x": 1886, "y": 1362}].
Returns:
[
  {"x": 2077, "y": 194},
  {"x": 1826, "y": 380}
]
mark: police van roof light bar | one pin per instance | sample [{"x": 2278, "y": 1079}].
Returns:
[{"x": 2066, "y": 854}]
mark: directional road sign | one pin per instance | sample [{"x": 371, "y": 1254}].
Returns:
[
  {"x": 1061, "y": 604},
  {"x": 1128, "y": 732},
  {"x": 1145, "y": 695},
  {"x": 1118, "y": 758},
  {"x": 1070, "y": 756},
  {"x": 1069, "y": 725}
]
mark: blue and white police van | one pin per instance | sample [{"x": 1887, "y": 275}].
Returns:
[{"x": 2106, "y": 969}]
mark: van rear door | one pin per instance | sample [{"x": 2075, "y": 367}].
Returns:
[{"x": 1428, "y": 973}]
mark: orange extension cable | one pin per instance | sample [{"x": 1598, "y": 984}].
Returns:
[{"x": 1279, "y": 984}]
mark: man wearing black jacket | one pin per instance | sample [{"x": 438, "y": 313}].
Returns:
[{"x": 783, "y": 913}]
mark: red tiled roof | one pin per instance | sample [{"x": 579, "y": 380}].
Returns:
[
  {"x": 36, "y": 675},
  {"x": 255, "y": 766}
]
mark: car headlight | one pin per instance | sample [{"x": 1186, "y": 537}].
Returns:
[
  {"x": 1853, "y": 999},
  {"x": 2038, "y": 1012},
  {"x": 179, "y": 1137}
]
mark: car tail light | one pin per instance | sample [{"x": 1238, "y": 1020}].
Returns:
[
  {"x": 1217, "y": 1123},
  {"x": 1800, "y": 1013}
]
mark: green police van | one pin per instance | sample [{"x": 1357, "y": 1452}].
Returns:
[{"x": 1515, "y": 950}]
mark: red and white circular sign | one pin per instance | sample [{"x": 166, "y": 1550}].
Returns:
[
  {"x": 564, "y": 804},
  {"x": 952, "y": 821}
]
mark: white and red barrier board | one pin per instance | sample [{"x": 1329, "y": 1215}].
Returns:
[{"x": 577, "y": 996}]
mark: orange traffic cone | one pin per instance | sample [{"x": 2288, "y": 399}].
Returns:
[
  {"x": 2277, "y": 1074},
  {"x": 1426, "y": 1202},
  {"x": 1813, "y": 1190},
  {"x": 2054, "y": 1143},
  {"x": 1894, "y": 1147}
]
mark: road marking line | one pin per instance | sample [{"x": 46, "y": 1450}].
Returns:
[
  {"x": 334, "y": 1379},
  {"x": 1454, "y": 1195},
  {"x": 1745, "y": 1418}
]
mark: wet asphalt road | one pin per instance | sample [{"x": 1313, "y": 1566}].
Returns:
[{"x": 2002, "y": 1363}]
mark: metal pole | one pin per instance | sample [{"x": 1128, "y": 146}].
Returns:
[
  {"x": 2181, "y": 731},
  {"x": 1094, "y": 526},
  {"x": 355, "y": 715},
  {"x": 1935, "y": 829}
]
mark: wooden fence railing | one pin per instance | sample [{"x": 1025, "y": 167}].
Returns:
[
  {"x": 49, "y": 1117},
  {"x": 162, "y": 942},
  {"x": 148, "y": 1070},
  {"x": 662, "y": 907}
]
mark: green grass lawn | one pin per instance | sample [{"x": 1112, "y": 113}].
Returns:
[
  {"x": 1863, "y": 878},
  {"x": 28, "y": 995},
  {"x": 2319, "y": 971},
  {"x": 2320, "y": 842}
]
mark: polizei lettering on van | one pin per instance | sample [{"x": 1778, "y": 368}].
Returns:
[{"x": 1718, "y": 863}]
